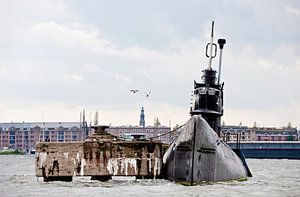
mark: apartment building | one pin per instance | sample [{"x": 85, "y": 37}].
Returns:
[
  {"x": 24, "y": 135},
  {"x": 275, "y": 134},
  {"x": 244, "y": 133}
]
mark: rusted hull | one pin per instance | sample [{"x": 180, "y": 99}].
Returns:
[{"x": 98, "y": 159}]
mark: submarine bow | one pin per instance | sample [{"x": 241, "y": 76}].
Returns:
[{"x": 198, "y": 155}]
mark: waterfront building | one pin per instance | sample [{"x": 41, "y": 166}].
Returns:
[
  {"x": 275, "y": 134},
  {"x": 244, "y": 133},
  {"x": 232, "y": 133},
  {"x": 24, "y": 135}
]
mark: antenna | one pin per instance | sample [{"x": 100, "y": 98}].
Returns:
[
  {"x": 211, "y": 45},
  {"x": 83, "y": 117},
  {"x": 96, "y": 120},
  {"x": 80, "y": 117},
  {"x": 221, "y": 43}
]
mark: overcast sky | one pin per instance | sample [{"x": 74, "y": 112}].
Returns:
[{"x": 58, "y": 57}]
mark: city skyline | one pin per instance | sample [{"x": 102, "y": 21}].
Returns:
[{"x": 59, "y": 57}]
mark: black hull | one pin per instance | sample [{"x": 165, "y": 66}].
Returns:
[{"x": 198, "y": 155}]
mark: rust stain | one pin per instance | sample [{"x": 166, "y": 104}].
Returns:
[{"x": 99, "y": 156}]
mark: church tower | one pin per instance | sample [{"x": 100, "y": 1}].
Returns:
[{"x": 142, "y": 118}]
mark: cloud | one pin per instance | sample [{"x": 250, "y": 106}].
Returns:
[
  {"x": 74, "y": 35},
  {"x": 172, "y": 69},
  {"x": 93, "y": 69},
  {"x": 104, "y": 58},
  {"x": 174, "y": 58},
  {"x": 276, "y": 117},
  {"x": 3, "y": 69},
  {"x": 72, "y": 77},
  {"x": 292, "y": 11},
  {"x": 120, "y": 77},
  {"x": 266, "y": 64},
  {"x": 23, "y": 109},
  {"x": 77, "y": 35},
  {"x": 282, "y": 58}
]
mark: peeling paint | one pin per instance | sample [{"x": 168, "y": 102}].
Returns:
[
  {"x": 43, "y": 157},
  {"x": 124, "y": 167},
  {"x": 156, "y": 169},
  {"x": 150, "y": 156},
  {"x": 113, "y": 166},
  {"x": 132, "y": 164},
  {"x": 83, "y": 163},
  {"x": 66, "y": 155},
  {"x": 108, "y": 158},
  {"x": 121, "y": 165},
  {"x": 77, "y": 157}
]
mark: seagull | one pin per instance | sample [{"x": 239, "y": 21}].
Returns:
[
  {"x": 147, "y": 94},
  {"x": 134, "y": 91}
]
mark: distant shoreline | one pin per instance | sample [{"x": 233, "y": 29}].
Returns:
[{"x": 11, "y": 152}]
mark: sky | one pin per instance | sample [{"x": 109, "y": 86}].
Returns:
[{"x": 58, "y": 57}]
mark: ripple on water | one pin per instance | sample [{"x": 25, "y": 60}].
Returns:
[{"x": 270, "y": 178}]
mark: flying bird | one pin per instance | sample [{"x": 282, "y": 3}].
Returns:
[
  {"x": 134, "y": 91},
  {"x": 147, "y": 94}
]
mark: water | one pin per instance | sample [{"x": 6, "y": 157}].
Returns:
[{"x": 271, "y": 178}]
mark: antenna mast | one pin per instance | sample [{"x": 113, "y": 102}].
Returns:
[
  {"x": 211, "y": 45},
  {"x": 221, "y": 43}
]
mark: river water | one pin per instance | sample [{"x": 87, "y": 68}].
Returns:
[{"x": 270, "y": 178}]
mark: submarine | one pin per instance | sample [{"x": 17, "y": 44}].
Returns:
[{"x": 198, "y": 154}]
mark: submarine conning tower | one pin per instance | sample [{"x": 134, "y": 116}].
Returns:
[{"x": 208, "y": 95}]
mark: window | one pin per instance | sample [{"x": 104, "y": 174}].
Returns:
[
  {"x": 74, "y": 137},
  {"x": 61, "y": 136},
  {"x": 46, "y": 135}
]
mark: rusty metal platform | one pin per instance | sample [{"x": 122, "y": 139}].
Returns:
[{"x": 100, "y": 156}]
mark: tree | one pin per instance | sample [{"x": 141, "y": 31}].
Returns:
[
  {"x": 156, "y": 122},
  {"x": 289, "y": 125},
  {"x": 254, "y": 124},
  {"x": 96, "y": 120}
]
